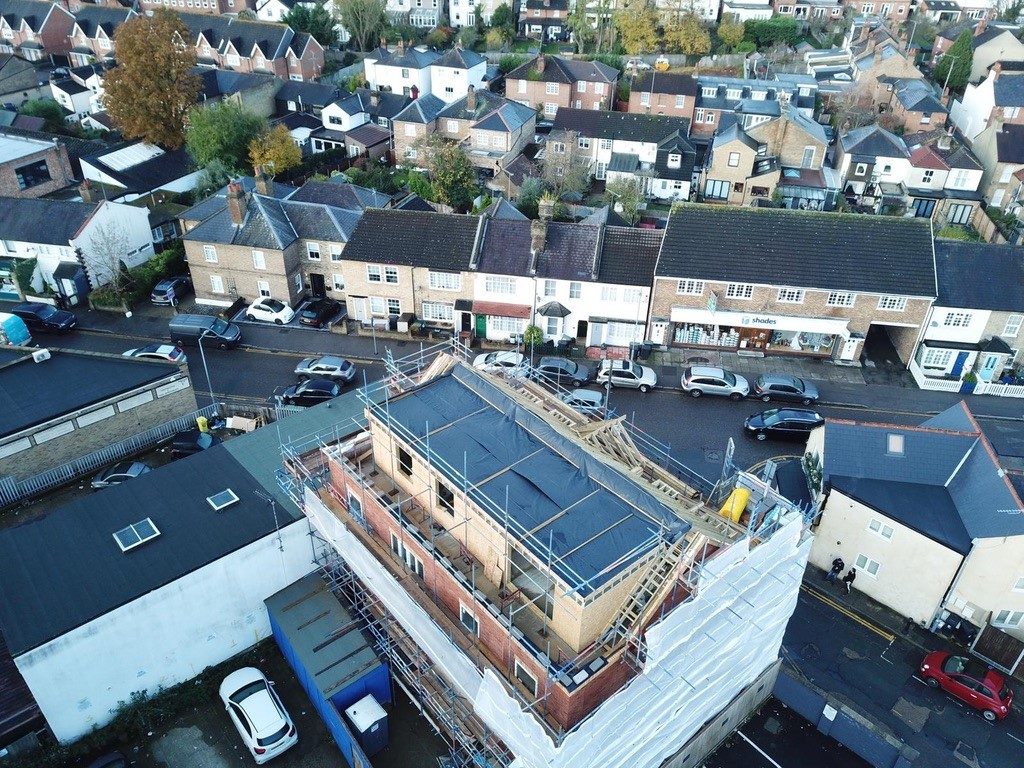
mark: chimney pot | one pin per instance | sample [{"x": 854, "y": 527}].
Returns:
[
  {"x": 87, "y": 192},
  {"x": 414, "y": 93},
  {"x": 236, "y": 203},
  {"x": 541, "y": 62},
  {"x": 996, "y": 70},
  {"x": 471, "y": 98}
]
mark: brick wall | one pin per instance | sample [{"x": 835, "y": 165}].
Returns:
[
  {"x": 536, "y": 94},
  {"x": 57, "y": 164},
  {"x": 234, "y": 266},
  {"x": 788, "y": 142},
  {"x": 405, "y": 142},
  {"x": 661, "y": 104}
]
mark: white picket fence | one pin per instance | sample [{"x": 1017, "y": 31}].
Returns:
[
  {"x": 999, "y": 390},
  {"x": 953, "y": 385}
]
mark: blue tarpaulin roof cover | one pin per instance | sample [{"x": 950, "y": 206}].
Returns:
[{"x": 594, "y": 519}]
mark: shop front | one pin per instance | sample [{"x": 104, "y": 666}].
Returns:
[{"x": 757, "y": 333}]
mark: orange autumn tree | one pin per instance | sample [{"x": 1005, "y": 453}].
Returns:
[{"x": 150, "y": 91}]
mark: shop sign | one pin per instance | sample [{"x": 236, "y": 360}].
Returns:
[{"x": 758, "y": 321}]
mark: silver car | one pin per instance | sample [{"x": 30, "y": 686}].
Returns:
[
  {"x": 698, "y": 380},
  {"x": 327, "y": 367},
  {"x": 119, "y": 473},
  {"x": 626, "y": 373},
  {"x": 586, "y": 401}
]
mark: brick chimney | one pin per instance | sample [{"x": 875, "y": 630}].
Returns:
[
  {"x": 264, "y": 182},
  {"x": 981, "y": 26},
  {"x": 541, "y": 62},
  {"x": 401, "y": 48},
  {"x": 414, "y": 93},
  {"x": 471, "y": 98},
  {"x": 374, "y": 98},
  {"x": 996, "y": 70},
  {"x": 546, "y": 209},
  {"x": 538, "y": 239},
  {"x": 87, "y": 192},
  {"x": 236, "y": 203}
]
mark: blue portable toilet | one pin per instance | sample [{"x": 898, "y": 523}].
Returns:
[{"x": 369, "y": 721}]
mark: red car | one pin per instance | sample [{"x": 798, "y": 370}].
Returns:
[{"x": 970, "y": 681}]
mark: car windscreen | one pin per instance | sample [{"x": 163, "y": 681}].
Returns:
[
  {"x": 1004, "y": 693},
  {"x": 274, "y": 738},
  {"x": 219, "y": 327},
  {"x": 730, "y": 378},
  {"x": 46, "y": 312},
  {"x": 771, "y": 418},
  {"x": 244, "y": 693},
  {"x": 273, "y": 305}
]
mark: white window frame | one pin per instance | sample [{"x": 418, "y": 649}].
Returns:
[
  {"x": 632, "y": 295},
  {"x": 863, "y": 564},
  {"x": 452, "y": 126},
  {"x": 445, "y": 281},
  {"x": 687, "y": 287},
  {"x": 790, "y": 296},
  {"x": 1012, "y": 327},
  {"x": 217, "y": 284},
  {"x": 338, "y": 281},
  {"x": 1018, "y": 585},
  {"x": 742, "y": 291},
  {"x": 935, "y": 357},
  {"x": 575, "y": 290},
  {"x": 500, "y": 284},
  {"x": 551, "y": 89},
  {"x": 313, "y": 251},
  {"x": 892, "y": 303},
  {"x": 860, "y": 169},
  {"x": 881, "y": 529},
  {"x": 549, "y": 288},
  {"x": 1008, "y": 618},
  {"x": 957, "y": 319},
  {"x": 609, "y": 293},
  {"x": 374, "y": 273},
  {"x": 259, "y": 260},
  {"x": 438, "y": 312},
  {"x": 210, "y": 254},
  {"x": 263, "y": 289},
  {"x": 840, "y": 299},
  {"x": 474, "y": 630},
  {"x": 734, "y": 159}
]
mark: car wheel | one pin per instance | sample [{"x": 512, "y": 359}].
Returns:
[
  {"x": 250, "y": 317},
  {"x": 761, "y": 436},
  {"x": 578, "y": 383},
  {"x": 695, "y": 393},
  {"x": 806, "y": 401},
  {"x": 931, "y": 682},
  {"x": 735, "y": 396},
  {"x": 223, "y": 345},
  {"x": 766, "y": 398},
  {"x": 278, "y": 321},
  {"x": 644, "y": 388},
  {"x": 989, "y": 715}
]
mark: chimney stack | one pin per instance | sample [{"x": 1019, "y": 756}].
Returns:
[
  {"x": 538, "y": 239},
  {"x": 236, "y": 203},
  {"x": 414, "y": 93},
  {"x": 471, "y": 98},
  {"x": 87, "y": 192},
  {"x": 981, "y": 26},
  {"x": 264, "y": 182},
  {"x": 546, "y": 209},
  {"x": 996, "y": 70},
  {"x": 540, "y": 64},
  {"x": 401, "y": 47},
  {"x": 374, "y": 98}
]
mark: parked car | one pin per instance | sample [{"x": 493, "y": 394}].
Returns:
[
  {"x": 626, "y": 373},
  {"x": 699, "y": 380},
  {"x": 782, "y": 423},
  {"x": 190, "y": 329},
  {"x": 782, "y": 386},
  {"x": 587, "y": 401},
  {"x": 110, "y": 760},
  {"x": 326, "y": 367},
  {"x": 167, "y": 352},
  {"x": 119, "y": 473},
  {"x": 499, "y": 361},
  {"x": 320, "y": 312},
  {"x": 45, "y": 318},
  {"x": 638, "y": 65},
  {"x": 967, "y": 679},
  {"x": 310, "y": 392},
  {"x": 270, "y": 311},
  {"x": 171, "y": 289},
  {"x": 192, "y": 441},
  {"x": 562, "y": 371},
  {"x": 256, "y": 710},
  {"x": 661, "y": 64}
]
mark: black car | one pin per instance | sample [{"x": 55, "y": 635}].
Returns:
[
  {"x": 311, "y": 392},
  {"x": 782, "y": 386},
  {"x": 782, "y": 424},
  {"x": 562, "y": 371},
  {"x": 192, "y": 441},
  {"x": 45, "y": 318},
  {"x": 170, "y": 290},
  {"x": 320, "y": 312}
]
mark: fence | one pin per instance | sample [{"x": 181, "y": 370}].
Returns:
[
  {"x": 999, "y": 390},
  {"x": 955, "y": 385},
  {"x": 12, "y": 490},
  {"x": 926, "y": 382}
]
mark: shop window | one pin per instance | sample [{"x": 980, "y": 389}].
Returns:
[
  {"x": 405, "y": 461},
  {"x": 529, "y": 681},
  {"x": 445, "y": 497},
  {"x": 865, "y": 564}
]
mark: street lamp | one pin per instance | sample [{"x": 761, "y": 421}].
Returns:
[
  {"x": 202, "y": 355},
  {"x": 607, "y": 381},
  {"x": 948, "y": 73}
]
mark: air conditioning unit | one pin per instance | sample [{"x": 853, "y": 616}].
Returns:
[{"x": 41, "y": 355}]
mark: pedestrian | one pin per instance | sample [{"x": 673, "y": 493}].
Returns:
[
  {"x": 837, "y": 568},
  {"x": 848, "y": 579}
]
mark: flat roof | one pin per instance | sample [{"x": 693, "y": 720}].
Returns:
[
  {"x": 15, "y": 147},
  {"x": 32, "y": 393},
  {"x": 328, "y": 644},
  {"x": 557, "y": 495}
]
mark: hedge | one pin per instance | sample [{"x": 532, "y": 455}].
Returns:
[{"x": 142, "y": 278}]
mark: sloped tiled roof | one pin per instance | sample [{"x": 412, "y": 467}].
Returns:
[
  {"x": 873, "y": 141},
  {"x": 414, "y": 239},
  {"x": 272, "y": 39},
  {"x": 926, "y": 157},
  {"x": 1010, "y": 144},
  {"x": 340, "y": 194},
  {"x": 38, "y": 220},
  {"x": 422, "y": 110},
  {"x": 32, "y": 12},
  {"x": 598, "y": 124},
  {"x": 459, "y": 58},
  {"x": 960, "y": 265},
  {"x": 559, "y": 70},
  {"x": 309, "y": 94},
  {"x": 1009, "y": 90},
  {"x": 917, "y": 96},
  {"x": 410, "y": 58},
  {"x": 629, "y": 255},
  {"x": 666, "y": 82},
  {"x": 775, "y": 246},
  {"x": 90, "y": 18}
]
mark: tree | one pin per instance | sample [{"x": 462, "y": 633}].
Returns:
[
  {"x": 213, "y": 177},
  {"x": 274, "y": 150},
  {"x": 222, "y": 131},
  {"x": 495, "y": 40},
  {"x": 637, "y": 24},
  {"x": 565, "y": 169},
  {"x": 778, "y": 29},
  {"x": 108, "y": 247},
  {"x": 731, "y": 31},
  {"x": 149, "y": 93},
  {"x": 626, "y": 193},
  {"x": 503, "y": 21},
  {"x": 365, "y": 20},
  {"x": 954, "y": 68},
  {"x": 688, "y": 36},
  {"x": 468, "y": 37},
  {"x": 48, "y": 109},
  {"x": 454, "y": 177},
  {"x": 316, "y": 21},
  {"x": 583, "y": 30}
]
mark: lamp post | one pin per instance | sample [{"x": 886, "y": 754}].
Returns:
[
  {"x": 608, "y": 381},
  {"x": 949, "y": 72},
  {"x": 202, "y": 355}
]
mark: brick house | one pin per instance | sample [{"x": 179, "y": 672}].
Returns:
[
  {"x": 771, "y": 281},
  {"x": 34, "y": 28},
  {"x": 261, "y": 246},
  {"x": 944, "y": 179},
  {"x": 92, "y": 37},
  {"x": 991, "y": 43},
  {"x": 227, "y": 42},
  {"x": 544, "y": 19},
  {"x": 804, "y": 10},
  {"x": 914, "y": 104},
  {"x": 215, "y": 7},
  {"x": 32, "y": 167},
  {"x": 548, "y": 83},
  {"x": 409, "y": 263},
  {"x": 752, "y": 101},
  {"x": 872, "y": 163},
  {"x": 877, "y": 58},
  {"x": 664, "y": 93},
  {"x": 1000, "y": 148},
  {"x": 893, "y": 11}
]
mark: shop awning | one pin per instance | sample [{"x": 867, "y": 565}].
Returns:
[
  {"x": 830, "y": 325},
  {"x": 553, "y": 309},
  {"x": 500, "y": 309}
]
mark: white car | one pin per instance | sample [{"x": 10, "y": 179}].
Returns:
[
  {"x": 496, "y": 362},
  {"x": 626, "y": 373},
  {"x": 638, "y": 65},
  {"x": 270, "y": 311},
  {"x": 167, "y": 352},
  {"x": 258, "y": 714},
  {"x": 586, "y": 401}
]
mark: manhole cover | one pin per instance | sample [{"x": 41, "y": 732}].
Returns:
[{"x": 810, "y": 651}]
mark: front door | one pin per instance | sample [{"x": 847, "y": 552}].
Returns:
[
  {"x": 481, "y": 326},
  {"x": 989, "y": 366},
  {"x": 467, "y": 322},
  {"x": 317, "y": 286},
  {"x": 958, "y": 366},
  {"x": 359, "y": 308},
  {"x": 849, "y": 349},
  {"x": 581, "y": 329}
]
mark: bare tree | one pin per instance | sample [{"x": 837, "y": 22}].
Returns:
[
  {"x": 565, "y": 169},
  {"x": 105, "y": 258}
]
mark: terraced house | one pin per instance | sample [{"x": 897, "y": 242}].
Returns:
[
  {"x": 34, "y": 28},
  {"x": 92, "y": 38},
  {"x": 550, "y": 83},
  {"x": 770, "y": 281}
]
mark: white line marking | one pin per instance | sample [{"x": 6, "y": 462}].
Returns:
[
  {"x": 1012, "y": 737},
  {"x": 763, "y": 754},
  {"x": 882, "y": 657}
]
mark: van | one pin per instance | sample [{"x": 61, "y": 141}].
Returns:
[
  {"x": 187, "y": 329},
  {"x": 13, "y": 330}
]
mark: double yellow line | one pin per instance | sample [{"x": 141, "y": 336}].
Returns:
[{"x": 889, "y": 636}]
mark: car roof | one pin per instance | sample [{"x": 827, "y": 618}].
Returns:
[
  {"x": 778, "y": 378},
  {"x": 703, "y": 370},
  {"x": 584, "y": 394},
  {"x": 328, "y": 360},
  {"x": 317, "y": 384},
  {"x": 799, "y": 414}
]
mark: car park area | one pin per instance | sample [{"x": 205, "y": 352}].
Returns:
[{"x": 310, "y": 315}]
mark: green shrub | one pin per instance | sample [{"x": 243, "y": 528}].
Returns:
[
  {"x": 23, "y": 274},
  {"x": 142, "y": 278},
  {"x": 954, "y": 232},
  {"x": 507, "y": 63}
]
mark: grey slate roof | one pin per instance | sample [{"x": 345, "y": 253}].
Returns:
[
  {"x": 32, "y": 393},
  {"x": 570, "y": 251},
  {"x": 65, "y": 569},
  {"x": 959, "y": 267},
  {"x": 945, "y": 485},
  {"x": 775, "y": 246},
  {"x": 309, "y": 94},
  {"x": 666, "y": 82},
  {"x": 272, "y": 39},
  {"x": 508, "y": 117},
  {"x": 629, "y": 126},
  {"x": 218, "y": 83},
  {"x": 33, "y": 12},
  {"x": 38, "y": 220},
  {"x": 629, "y": 255},
  {"x": 148, "y": 175},
  {"x": 503, "y": 209},
  {"x": 458, "y": 58},
  {"x": 559, "y": 70},
  {"x": 216, "y": 202},
  {"x": 422, "y": 110},
  {"x": 411, "y": 58},
  {"x": 504, "y": 247},
  {"x": 414, "y": 239},
  {"x": 94, "y": 17},
  {"x": 1010, "y": 144},
  {"x": 873, "y": 141},
  {"x": 1009, "y": 90},
  {"x": 917, "y": 96},
  {"x": 368, "y": 135},
  {"x": 340, "y": 194}
]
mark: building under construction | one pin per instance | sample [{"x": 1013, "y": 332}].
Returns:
[{"x": 550, "y": 589}]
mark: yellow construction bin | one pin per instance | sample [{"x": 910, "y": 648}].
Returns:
[{"x": 735, "y": 504}]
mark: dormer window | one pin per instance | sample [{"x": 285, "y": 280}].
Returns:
[
  {"x": 709, "y": 91},
  {"x": 674, "y": 160},
  {"x": 734, "y": 93}
]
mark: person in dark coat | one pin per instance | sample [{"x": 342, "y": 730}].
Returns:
[
  {"x": 837, "y": 568},
  {"x": 848, "y": 579}
]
